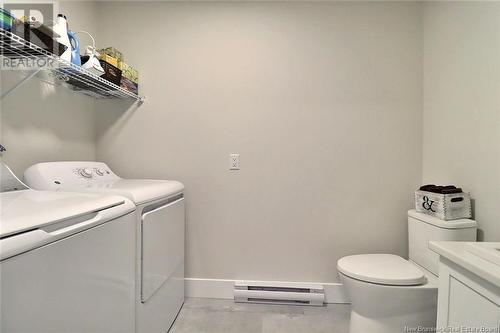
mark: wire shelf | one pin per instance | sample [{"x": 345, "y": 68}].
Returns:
[{"x": 60, "y": 72}]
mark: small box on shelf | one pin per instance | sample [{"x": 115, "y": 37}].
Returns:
[
  {"x": 111, "y": 73},
  {"x": 112, "y": 52},
  {"x": 451, "y": 206},
  {"x": 130, "y": 78},
  {"x": 109, "y": 59},
  {"x": 129, "y": 85}
]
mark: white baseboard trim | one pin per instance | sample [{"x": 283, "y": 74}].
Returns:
[{"x": 223, "y": 289}]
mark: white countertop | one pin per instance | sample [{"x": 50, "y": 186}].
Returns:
[{"x": 457, "y": 252}]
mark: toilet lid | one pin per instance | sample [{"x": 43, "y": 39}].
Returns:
[{"x": 388, "y": 269}]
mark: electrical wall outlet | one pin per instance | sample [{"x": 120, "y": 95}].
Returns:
[{"x": 234, "y": 161}]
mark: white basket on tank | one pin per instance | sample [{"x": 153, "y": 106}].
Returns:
[{"x": 443, "y": 206}]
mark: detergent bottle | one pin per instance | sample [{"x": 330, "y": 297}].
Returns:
[
  {"x": 75, "y": 48},
  {"x": 61, "y": 28}
]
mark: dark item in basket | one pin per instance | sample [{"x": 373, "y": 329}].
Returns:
[
  {"x": 449, "y": 189},
  {"x": 111, "y": 73},
  {"x": 453, "y": 190},
  {"x": 41, "y": 36},
  {"x": 427, "y": 187}
]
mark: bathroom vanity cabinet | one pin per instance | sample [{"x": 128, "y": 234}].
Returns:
[{"x": 469, "y": 290}]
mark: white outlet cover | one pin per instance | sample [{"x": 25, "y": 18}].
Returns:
[{"x": 234, "y": 161}]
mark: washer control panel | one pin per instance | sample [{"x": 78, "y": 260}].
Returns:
[
  {"x": 92, "y": 173},
  {"x": 60, "y": 175},
  {"x": 85, "y": 172}
]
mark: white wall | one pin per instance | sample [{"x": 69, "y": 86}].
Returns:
[
  {"x": 41, "y": 122},
  {"x": 462, "y": 103},
  {"x": 322, "y": 101}
]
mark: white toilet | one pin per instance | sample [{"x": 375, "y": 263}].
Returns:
[{"x": 390, "y": 294}]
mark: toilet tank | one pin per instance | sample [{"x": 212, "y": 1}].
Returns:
[{"x": 423, "y": 228}]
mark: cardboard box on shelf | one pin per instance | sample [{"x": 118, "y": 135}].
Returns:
[
  {"x": 111, "y": 73},
  {"x": 129, "y": 72},
  {"x": 133, "y": 87},
  {"x": 109, "y": 59},
  {"x": 112, "y": 52},
  {"x": 130, "y": 78}
]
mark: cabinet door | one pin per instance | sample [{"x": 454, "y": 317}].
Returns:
[
  {"x": 469, "y": 308},
  {"x": 466, "y": 302}
]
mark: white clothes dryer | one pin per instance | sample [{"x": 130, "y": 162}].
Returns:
[{"x": 160, "y": 232}]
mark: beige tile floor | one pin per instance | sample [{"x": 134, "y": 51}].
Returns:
[{"x": 201, "y": 315}]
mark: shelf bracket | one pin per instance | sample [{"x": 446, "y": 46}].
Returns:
[{"x": 20, "y": 83}]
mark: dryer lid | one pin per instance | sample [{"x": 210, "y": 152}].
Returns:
[{"x": 387, "y": 269}]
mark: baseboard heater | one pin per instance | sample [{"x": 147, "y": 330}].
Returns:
[{"x": 279, "y": 293}]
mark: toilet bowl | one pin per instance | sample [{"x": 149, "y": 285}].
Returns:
[{"x": 390, "y": 294}]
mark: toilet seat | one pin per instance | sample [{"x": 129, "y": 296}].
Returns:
[{"x": 386, "y": 269}]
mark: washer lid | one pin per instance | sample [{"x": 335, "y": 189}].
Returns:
[
  {"x": 29, "y": 209},
  {"x": 387, "y": 269}
]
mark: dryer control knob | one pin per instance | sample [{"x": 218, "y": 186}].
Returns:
[
  {"x": 100, "y": 172},
  {"x": 86, "y": 172}
]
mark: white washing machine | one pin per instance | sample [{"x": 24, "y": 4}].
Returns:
[
  {"x": 66, "y": 261},
  {"x": 160, "y": 228}
]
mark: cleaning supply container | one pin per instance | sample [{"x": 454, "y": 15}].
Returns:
[
  {"x": 61, "y": 28},
  {"x": 75, "y": 48},
  {"x": 6, "y": 19}
]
